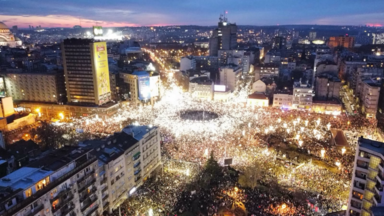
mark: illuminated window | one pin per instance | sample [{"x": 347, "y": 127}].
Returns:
[
  {"x": 54, "y": 204},
  {"x": 28, "y": 192}
]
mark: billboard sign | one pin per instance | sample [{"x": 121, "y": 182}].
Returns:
[
  {"x": 97, "y": 31},
  {"x": 101, "y": 71},
  {"x": 219, "y": 88},
  {"x": 154, "y": 85},
  {"x": 144, "y": 87}
]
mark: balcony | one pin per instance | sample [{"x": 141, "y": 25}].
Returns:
[
  {"x": 137, "y": 171},
  {"x": 106, "y": 206},
  {"x": 36, "y": 210},
  {"x": 360, "y": 187},
  {"x": 104, "y": 189},
  {"x": 86, "y": 195},
  {"x": 362, "y": 165},
  {"x": 86, "y": 175},
  {"x": 136, "y": 164},
  {"x": 63, "y": 207},
  {"x": 92, "y": 211},
  {"x": 67, "y": 209},
  {"x": 63, "y": 195},
  {"x": 103, "y": 181},
  {"x": 86, "y": 185},
  {"x": 88, "y": 202},
  {"x": 363, "y": 177},
  {"x": 105, "y": 197}
]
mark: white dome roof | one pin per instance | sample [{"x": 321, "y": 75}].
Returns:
[{"x": 3, "y": 26}]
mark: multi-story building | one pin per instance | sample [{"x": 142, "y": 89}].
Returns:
[
  {"x": 361, "y": 73},
  {"x": 126, "y": 160},
  {"x": 369, "y": 97},
  {"x": 36, "y": 87},
  {"x": 149, "y": 155},
  {"x": 118, "y": 167},
  {"x": 86, "y": 71},
  {"x": 230, "y": 76},
  {"x": 348, "y": 67},
  {"x": 201, "y": 87},
  {"x": 365, "y": 197},
  {"x": 343, "y": 41},
  {"x": 143, "y": 86},
  {"x": 61, "y": 183},
  {"x": 267, "y": 70},
  {"x": 302, "y": 95},
  {"x": 282, "y": 100},
  {"x": 187, "y": 63},
  {"x": 224, "y": 37},
  {"x": 327, "y": 86}
]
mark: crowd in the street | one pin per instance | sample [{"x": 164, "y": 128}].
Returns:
[{"x": 321, "y": 168}]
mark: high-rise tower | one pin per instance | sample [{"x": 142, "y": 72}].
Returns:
[
  {"x": 224, "y": 37},
  {"x": 86, "y": 71}
]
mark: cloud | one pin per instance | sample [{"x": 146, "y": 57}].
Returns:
[{"x": 197, "y": 12}]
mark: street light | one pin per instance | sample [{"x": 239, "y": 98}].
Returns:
[
  {"x": 343, "y": 150},
  {"x": 61, "y": 116},
  {"x": 150, "y": 212},
  {"x": 38, "y": 111}
]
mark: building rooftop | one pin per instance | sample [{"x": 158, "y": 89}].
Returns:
[
  {"x": 372, "y": 145},
  {"x": 258, "y": 96},
  {"x": 141, "y": 73},
  {"x": 58, "y": 159},
  {"x": 24, "y": 177},
  {"x": 201, "y": 80},
  {"x": 138, "y": 132},
  {"x": 110, "y": 148}
]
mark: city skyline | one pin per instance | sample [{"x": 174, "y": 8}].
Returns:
[{"x": 117, "y": 13}]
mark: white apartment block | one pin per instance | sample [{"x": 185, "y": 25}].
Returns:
[
  {"x": 369, "y": 98},
  {"x": 302, "y": 96},
  {"x": 87, "y": 180},
  {"x": 282, "y": 100},
  {"x": 230, "y": 76},
  {"x": 125, "y": 160},
  {"x": 366, "y": 193},
  {"x": 37, "y": 87},
  {"x": 61, "y": 183}
]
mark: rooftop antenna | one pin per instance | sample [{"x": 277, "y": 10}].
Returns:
[
  {"x": 221, "y": 18},
  {"x": 225, "y": 18}
]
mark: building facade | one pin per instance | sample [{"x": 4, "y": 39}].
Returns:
[
  {"x": 230, "y": 76},
  {"x": 369, "y": 98},
  {"x": 344, "y": 41},
  {"x": 86, "y": 71},
  {"x": 61, "y": 183},
  {"x": 302, "y": 96},
  {"x": 223, "y": 37},
  {"x": 36, "y": 87},
  {"x": 282, "y": 100},
  {"x": 367, "y": 180}
]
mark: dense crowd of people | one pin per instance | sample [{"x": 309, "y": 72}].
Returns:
[{"x": 320, "y": 167}]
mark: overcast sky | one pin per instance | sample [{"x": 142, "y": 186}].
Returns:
[{"x": 67, "y": 13}]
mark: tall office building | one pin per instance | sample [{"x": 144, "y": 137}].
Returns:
[
  {"x": 86, "y": 71},
  {"x": 224, "y": 37},
  {"x": 365, "y": 197}
]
